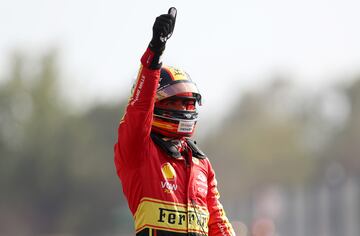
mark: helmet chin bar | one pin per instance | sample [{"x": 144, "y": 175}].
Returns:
[
  {"x": 178, "y": 123},
  {"x": 182, "y": 127}
]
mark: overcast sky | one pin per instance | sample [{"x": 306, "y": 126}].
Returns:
[{"x": 226, "y": 46}]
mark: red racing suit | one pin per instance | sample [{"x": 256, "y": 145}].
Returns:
[{"x": 166, "y": 195}]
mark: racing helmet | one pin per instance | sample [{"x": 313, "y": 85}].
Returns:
[{"x": 175, "y": 83}]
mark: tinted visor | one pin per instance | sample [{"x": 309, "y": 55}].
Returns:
[{"x": 178, "y": 87}]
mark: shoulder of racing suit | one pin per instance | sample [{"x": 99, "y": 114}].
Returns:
[{"x": 171, "y": 149}]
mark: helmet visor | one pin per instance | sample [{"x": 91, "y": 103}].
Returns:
[{"x": 178, "y": 88}]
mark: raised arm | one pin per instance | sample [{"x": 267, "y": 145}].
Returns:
[{"x": 135, "y": 126}]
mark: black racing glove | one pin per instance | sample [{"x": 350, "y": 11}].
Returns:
[{"x": 162, "y": 30}]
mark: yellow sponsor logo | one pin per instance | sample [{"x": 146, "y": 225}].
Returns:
[
  {"x": 178, "y": 74},
  {"x": 170, "y": 216},
  {"x": 168, "y": 171}
]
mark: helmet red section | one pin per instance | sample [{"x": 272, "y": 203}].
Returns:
[{"x": 171, "y": 121}]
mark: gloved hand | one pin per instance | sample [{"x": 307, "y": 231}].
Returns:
[{"x": 162, "y": 30}]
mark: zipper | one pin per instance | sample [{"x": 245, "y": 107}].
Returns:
[
  {"x": 187, "y": 154},
  {"x": 188, "y": 164}
]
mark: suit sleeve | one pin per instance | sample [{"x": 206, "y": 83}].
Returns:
[
  {"x": 135, "y": 126},
  {"x": 219, "y": 224}
]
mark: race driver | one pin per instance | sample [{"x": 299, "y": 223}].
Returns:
[{"x": 168, "y": 181}]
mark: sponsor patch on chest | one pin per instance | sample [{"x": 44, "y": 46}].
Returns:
[
  {"x": 202, "y": 187},
  {"x": 169, "y": 183}
]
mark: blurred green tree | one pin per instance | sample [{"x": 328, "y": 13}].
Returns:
[
  {"x": 56, "y": 166},
  {"x": 344, "y": 147},
  {"x": 264, "y": 141}
]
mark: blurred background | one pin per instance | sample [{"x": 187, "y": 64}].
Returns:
[{"x": 280, "y": 123}]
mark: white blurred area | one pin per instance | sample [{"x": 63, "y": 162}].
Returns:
[{"x": 227, "y": 46}]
